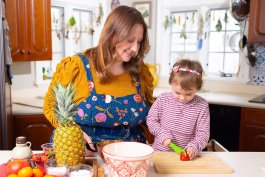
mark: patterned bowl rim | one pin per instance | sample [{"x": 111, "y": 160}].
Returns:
[{"x": 128, "y": 158}]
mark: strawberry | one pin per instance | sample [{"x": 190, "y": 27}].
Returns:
[
  {"x": 43, "y": 157},
  {"x": 36, "y": 157}
]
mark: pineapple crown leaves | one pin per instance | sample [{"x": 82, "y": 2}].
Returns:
[{"x": 64, "y": 107}]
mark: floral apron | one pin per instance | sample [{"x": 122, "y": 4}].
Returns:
[{"x": 105, "y": 117}]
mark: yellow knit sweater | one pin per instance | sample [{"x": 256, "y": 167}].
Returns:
[{"x": 71, "y": 69}]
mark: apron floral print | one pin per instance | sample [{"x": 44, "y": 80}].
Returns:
[{"x": 105, "y": 117}]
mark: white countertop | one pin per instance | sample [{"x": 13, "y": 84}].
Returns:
[
  {"x": 243, "y": 164},
  {"x": 34, "y": 99},
  {"x": 229, "y": 99}
]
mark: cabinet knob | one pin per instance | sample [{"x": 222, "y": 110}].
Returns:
[
  {"x": 23, "y": 51},
  {"x": 29, "y": 51}
]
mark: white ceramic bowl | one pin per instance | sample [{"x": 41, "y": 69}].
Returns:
[{"x": 128, "y": 158}]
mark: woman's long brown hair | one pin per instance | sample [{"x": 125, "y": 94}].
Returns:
[{"x": 117, "y": 28}]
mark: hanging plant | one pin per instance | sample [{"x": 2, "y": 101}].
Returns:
[
  {"x": 201, "y": 26},
  {"x": 178, "y": 20},
  {"x": 166, "y": 24},
  {"x": 218, "y": 26},
  {"x": 100, "y": 15},
  {"x": 226, "y": 17},
  {"x": 183, "y": 32},
  {"x": 192, "y": 18},
  {"x": 174, "y": 21},
  {"x": 72, "y": 21},
  {"x": 169, "y": 20}
]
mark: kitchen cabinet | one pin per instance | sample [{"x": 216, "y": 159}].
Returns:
[
  {"x": 252, "y": 133},
  {"x": 225, "y": 125},
  {"x": 29, "y": 29},
  {"x": 256, "y": 29},
  {"x": 36, "y": 128}
]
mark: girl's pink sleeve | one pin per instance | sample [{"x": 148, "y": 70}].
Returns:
[{"x": 153, "y": 122}]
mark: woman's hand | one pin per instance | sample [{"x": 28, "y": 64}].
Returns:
[
  {"x": 89, "y": 141},
  {"x": 167, "y": 142},
  {"x": 191, "y": 152}
]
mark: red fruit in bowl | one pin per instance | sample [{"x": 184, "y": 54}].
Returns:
[
  {"x": 14, "y": 166},
  {"x": 184, "y": 157},
  {"x": 43, "y": 157},
  {"x": 36, "y": 157}
]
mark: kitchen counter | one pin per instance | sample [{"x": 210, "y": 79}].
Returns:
[
  {"x": 243, "y": 164},
  {"x": 229, "y": 99},
  {"x": 30, "y": 101}
]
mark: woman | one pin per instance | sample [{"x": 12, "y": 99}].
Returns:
[{"x": 113, "y": 85}]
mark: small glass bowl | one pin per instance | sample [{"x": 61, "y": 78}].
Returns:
[
  {"x": 52, "y": 168},
  {"x": 48, "y": 149},
  {"x": 81, "y": 170}
]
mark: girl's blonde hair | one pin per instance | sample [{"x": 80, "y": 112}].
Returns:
[
  {"x": 187, "y": 73},
  {"x": 117, "y": 28}
]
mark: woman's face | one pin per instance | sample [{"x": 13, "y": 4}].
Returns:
[
  {"x": 126, "y": 49},
  {"x": 183, "y": 96}
]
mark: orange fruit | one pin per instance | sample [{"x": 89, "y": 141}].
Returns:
[
  {"x": 37, "y": 172},
  {"x": 25, "y": 172},
  {"x": 12, "y": 175}
]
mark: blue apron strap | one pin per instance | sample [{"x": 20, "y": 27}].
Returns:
[{"x": 87, "y": 69}]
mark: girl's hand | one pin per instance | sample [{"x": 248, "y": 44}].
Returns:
[
  {"x": 167, "y": 142},
  {"x": 191, "y": 152},
  {"x": 89, "y": 141}
]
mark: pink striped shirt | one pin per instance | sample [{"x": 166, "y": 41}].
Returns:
[{"x": 186, "y": 124}]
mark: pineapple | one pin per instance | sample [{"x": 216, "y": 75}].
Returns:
[{"x": 69, "y": 144}]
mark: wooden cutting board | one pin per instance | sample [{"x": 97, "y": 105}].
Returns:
[{"x": 205, "y": 163}]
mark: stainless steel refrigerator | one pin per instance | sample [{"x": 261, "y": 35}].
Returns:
[{"x": 6, "y": 124}]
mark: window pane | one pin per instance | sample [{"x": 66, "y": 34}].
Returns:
[
  {"x": 232, "y": 24},
  {"x": 57, "y": 41},
  {"x": 191, "y": 42},
  {"x": 232, "y": 41},
  {"x": 216, "y": 42},
  {"x": 57, "y": 18},
  {"x": 177, "y": 43},
  {"x": 215, "y": 62},
  {"x": 231, "y": 62},
  {"x": 76, "y": 15}
]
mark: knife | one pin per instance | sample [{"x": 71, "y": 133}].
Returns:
[{"x": 177, "y": 149}]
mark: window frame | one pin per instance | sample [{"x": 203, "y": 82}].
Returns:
[{"x": 163, "y": 38}]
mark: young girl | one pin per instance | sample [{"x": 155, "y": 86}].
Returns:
[{"x": 181, "y": 116}]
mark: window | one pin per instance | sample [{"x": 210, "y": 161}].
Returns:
[
  {"x": 223, "y": 56},
  {"x": 83, "y": 30},
  {"x": 72, "y": 32},
  {"x": 190, "y": 31}
]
